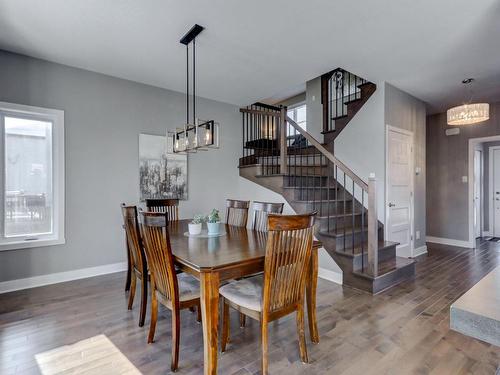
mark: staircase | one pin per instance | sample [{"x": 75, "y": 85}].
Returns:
[{"x": 282, "y": 157}]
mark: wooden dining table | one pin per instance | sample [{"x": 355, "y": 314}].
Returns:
[{"x": 239, "y": 252}]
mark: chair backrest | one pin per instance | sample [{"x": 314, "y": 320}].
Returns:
[
  {"x": 288, "y": 251},
  {"x": 159, "y": 252},
  {"x": 168, "y": 206},
  {"x": 134, "y": 239},
  {"x": 260, "y": 211},
  {"x": 237, "y": 212}
]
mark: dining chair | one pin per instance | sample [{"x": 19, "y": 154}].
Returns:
[
  {"x": 168, "y": 206},
  {"x": 260, "y": 212},
  {"x": 138, "y": 262},
  {"x": 281, "y": 289},
  {"x": 172, "y": 290},
  {"x": 237, "y": 212}
]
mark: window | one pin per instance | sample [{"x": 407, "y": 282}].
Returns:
[
  {"x": 298, "y": 114},
  {"x": 32, "y": 186}
]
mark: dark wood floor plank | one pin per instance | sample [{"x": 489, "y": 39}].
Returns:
[{"x": 404, "y": 330}]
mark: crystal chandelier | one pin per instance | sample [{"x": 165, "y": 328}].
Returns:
[
  {"x": 469, "y": 113},
  {"x": 198, "y": 134}
]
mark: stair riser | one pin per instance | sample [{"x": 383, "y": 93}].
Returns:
[
  {"x": 339, "y": 223},
  {"x": 311, "y": 181},
  {"x": 326, "y": 208},
  {"x": 319, "y": 194},
  {"x": 383, "y": 255}
]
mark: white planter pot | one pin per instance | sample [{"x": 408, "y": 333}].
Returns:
[
  {"x": 213, "y": 228},
  {"x": 194, "y": 229}
]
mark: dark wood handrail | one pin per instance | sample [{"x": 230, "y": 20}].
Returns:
[{"x": 259, "y": 112}]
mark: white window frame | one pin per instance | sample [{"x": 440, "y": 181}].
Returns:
[
  {"x": 294, "y": 108},
  {"x": 56, "y": 117}
]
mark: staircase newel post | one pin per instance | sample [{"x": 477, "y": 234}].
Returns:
[
  {"x": 372, "y": 226},
  {"x": 283, "y": 146}
]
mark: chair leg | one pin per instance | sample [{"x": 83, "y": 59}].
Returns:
[
  {"x": 176, "y": 336},
  {"x": 144, "y": 300},
  {"x": 154, "y": 315},
  {"x": 129, "y": 269},
  {"x": 133, "y": 283},
  {"x": 242, "y": 320},
  {"x": 225, "y": 325},
  {"x": 301, "y": 334},
  {"x": 264, "y": 338},
  {"x": 198, "y": 310}
]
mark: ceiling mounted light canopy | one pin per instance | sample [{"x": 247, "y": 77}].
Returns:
[
  {"x": 469, "y": 113},
  {"x": 198, "y": 134}
]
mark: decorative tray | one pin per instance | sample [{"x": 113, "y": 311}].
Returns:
[{"x": 204, "y": 234}]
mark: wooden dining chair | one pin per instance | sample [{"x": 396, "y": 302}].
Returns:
[
  {"x": 138, "y": 263},
  {"x": 260, "y": 212},
  {"x": 168, "y": 206},
  {"x": 172, "y": 290},
  {"x": 281, "y": 289},
  {"x": 237, "y": 212}
]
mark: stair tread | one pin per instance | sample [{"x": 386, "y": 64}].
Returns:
[
  {"x": 348, "y": 231},
  {"x": 357, "y": 249},
  {"x": 352, "y": 101},
  {"x": 314, "y": 187},
  {"x": 388, "y": 266}
]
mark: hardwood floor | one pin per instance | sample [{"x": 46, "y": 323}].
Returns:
[{"x": 404, "y": 330}]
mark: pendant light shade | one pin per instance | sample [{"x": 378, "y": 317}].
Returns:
[{"x": 468, "y": 114}]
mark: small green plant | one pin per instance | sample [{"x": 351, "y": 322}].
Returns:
[
  {"x": 198, "y": 219},
  {"x": 213, "y": 217}
]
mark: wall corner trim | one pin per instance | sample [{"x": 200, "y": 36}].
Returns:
[
  {"x": 326, "y": 274},
  {"x": 420, "y": 251},
  {"x": 59, "y": 277},
  {"x": 450, "y": 241}
]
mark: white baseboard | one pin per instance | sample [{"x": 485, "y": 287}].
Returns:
[
  {"x": 59, "y": 277},
  {"x": 449, "y": 241},
  {"x": 335, "y": 277},
  {"x": 420, "y": 251},
  {"x": 487, "y": 234}
]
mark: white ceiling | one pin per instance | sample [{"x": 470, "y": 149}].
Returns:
[{"x": 258, "y": 49}]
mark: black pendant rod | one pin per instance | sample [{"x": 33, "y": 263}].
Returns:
[
  {"x": 187, "y": 84},
  {"x": 189, "y": 37},
  {"x": 194, "y": 81}
]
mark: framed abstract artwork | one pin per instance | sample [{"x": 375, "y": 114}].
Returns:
[{"x": 161, "y": 174}]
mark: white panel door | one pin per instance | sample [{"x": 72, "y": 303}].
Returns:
[
  {"x": 496, "y": 192},
  {"x": 399, "y": 190}
]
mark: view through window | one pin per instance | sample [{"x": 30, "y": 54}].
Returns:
[{"x": 28, "y": 177}]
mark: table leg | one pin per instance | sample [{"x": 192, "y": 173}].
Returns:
[
  {"x": 311, "y": 286},
  {"x": 209, "y": 289}
]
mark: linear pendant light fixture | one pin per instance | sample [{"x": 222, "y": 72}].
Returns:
[
  {"x": 469, "y": 113},
  {"x": 196, "y": 135}
]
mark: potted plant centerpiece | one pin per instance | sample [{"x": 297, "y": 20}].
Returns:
[
  {"x": 195, "y": 225},
  {"x": 213, "y": 222}
]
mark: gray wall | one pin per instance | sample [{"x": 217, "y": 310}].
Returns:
[
  {"x": 103, "y": 118},
  {"x": 447, "y": 162},
  {"x": 407, "y": 112},
  {"x": 314, "y": 108}
]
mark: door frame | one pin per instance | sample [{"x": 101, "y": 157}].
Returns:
[
  {"x": 473, "y": 142},
  {"x": 481, "y": 191},
  {"x": 491, "y": 206},
  {"x": 390, "y": 128}
]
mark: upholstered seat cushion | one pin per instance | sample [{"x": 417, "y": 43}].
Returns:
[
  {"x": 245, "y": 292},
  {"x": 189, "y": 287}
]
